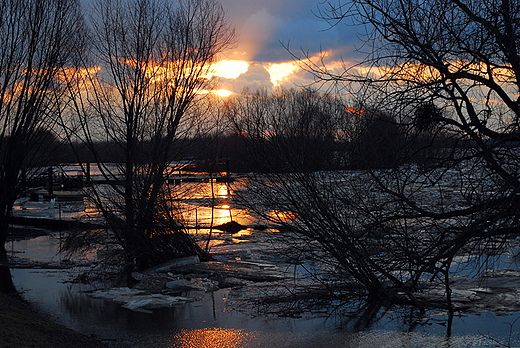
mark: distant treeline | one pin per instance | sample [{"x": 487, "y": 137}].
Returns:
[
  {"x": 381, "y": 145},
  {"x": 374, "y": 141}
]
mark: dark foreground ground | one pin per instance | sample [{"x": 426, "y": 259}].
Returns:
[{"x": 21, "y": 326}]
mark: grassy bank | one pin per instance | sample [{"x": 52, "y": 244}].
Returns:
[{"x": 21, "y": 326}]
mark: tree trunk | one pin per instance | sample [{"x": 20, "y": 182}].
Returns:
[{"x": 6, "y": 280}]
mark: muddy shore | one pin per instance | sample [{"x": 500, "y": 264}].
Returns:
[{"x": 21, "y": 326}]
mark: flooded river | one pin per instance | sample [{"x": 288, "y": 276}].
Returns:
[
  {"x": 210, "y": 322},
  {"x": 213, "y": 319}
]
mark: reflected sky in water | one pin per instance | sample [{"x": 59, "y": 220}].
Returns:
[
  {"x": 200, "y": 205},
  {"x": 215, "y": 322}
]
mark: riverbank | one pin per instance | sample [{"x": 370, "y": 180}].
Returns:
[{"x": 21, "y": 326}]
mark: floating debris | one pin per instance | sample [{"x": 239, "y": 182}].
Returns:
[
  {"x": 231, "y": 227},
  {"x": 139, "y": 300},
  {"x": 192, "y": 284},
  {"x": 169, "y": 265}
]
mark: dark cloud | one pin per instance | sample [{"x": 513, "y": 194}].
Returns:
[
  {"x": 261, "y": 26},
  {"x": 274, "y": 31}
]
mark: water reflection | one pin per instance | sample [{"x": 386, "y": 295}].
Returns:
[
  {"x": 39, "y": 249},
  {"x": 212, "y": 338},
  {"x": 200, "y": 205},
  {"x": 212, "y": 322},
  {"x": 282, "y": 216},
  {"x": 208, "y": 322},
  {"x": 222, "y": 190},
  {"x": 203, "y": 205},
  {"x": 215, "y": 321},
  {"x": 46, "y": 249}
]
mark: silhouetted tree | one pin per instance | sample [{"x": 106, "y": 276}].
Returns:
[
  {"x": 38, "y": 39},
  {"x": 397, "y": 229},
  {"x": 153, "y": 59},
  {"x": 289, "y": 129},
  {"x": 377, "y": 142}
]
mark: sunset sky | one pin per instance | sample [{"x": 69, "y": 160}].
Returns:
[{"x": 261, "y": 60}]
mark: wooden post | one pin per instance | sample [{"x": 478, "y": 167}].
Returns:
[
  {"x": 50, "y": 181},
  {"x": 88, "y": 172},
  {"x": 196, "y": 221},
  {"x": 228, "y": 173}
]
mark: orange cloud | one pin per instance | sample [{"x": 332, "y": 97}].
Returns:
[{"x": 281, "y": 71}]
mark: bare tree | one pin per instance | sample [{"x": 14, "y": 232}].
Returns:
[
  {"x": 154, "y": 58},
  {"x": 445, "y": 69},
  {"x": 37, "y": 40},
  {"x": 462, "y": 58},
  {"x": 289, "y": 129},
  {"x": 326, "y": 213}
]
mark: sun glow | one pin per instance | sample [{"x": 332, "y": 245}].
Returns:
[
  {"x": 68, "y": 73},
  {"x": 222, "y": 93},
  {"x": 281, "y": 71},
  {"x": 229, "y": 69},
  {"x": 354, "y": 111},
  {"x": 424, "y": 73}
]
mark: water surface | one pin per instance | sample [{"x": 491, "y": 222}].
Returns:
[{"x": 215, "y": 321}]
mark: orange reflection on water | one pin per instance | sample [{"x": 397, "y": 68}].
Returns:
[
  {"x": 222, "y": 190},
  {"x": 212, "y": 338},
  {"x": 282, "y": 216},
  {"x": 246, "y": 232},
  {"x": 221, "y": 216}
]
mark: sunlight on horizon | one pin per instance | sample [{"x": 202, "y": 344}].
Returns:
[
  {"x": 229, "y": 69},
  {"x": 222, "y": 93}
]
